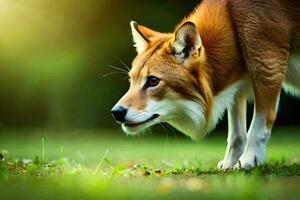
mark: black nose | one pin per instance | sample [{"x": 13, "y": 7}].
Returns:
[{"x": 119, "y": 113}]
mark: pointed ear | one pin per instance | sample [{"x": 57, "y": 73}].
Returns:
[
  {"x": 187, "y": 39},
  {"x": 142, "y": 36}
]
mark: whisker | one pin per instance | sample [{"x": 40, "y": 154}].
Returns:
[
  {"x": 165, "y": 130},
  {"x": 123, "y": 63},
  {"x": 117, "y": 68},
  {"x": 111, "y": 73},
  {"x": 173, "y": 131}
]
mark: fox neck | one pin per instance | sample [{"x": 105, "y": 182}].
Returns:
[
  {"x": 219, "y": 82},
  {"x": 226, "y": 71}
]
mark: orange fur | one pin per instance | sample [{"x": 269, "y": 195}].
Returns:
[
  {"x": 206, "y": 66},
  {"x": 232, "y": 33}
]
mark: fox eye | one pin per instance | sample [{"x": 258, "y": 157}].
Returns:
[{"x": 152, "y": 81}]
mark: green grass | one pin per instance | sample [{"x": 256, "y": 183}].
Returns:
[{"x": 105, "y": 164}]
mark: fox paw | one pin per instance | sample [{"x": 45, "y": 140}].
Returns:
[
  {"x": 250, "y": 161},
  {"x": 232, "y": 155},
  {"x": 247, "y": 164},
  {"x": 221, "y": 164},
  {"x": 226, "y": 164}
]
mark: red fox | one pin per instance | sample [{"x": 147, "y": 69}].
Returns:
[{"x": 220, "y": 55}]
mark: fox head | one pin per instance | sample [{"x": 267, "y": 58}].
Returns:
[{"x": 168, "y": 82}]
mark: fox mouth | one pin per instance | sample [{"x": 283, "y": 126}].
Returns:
[{"x": 134, "y": 125}]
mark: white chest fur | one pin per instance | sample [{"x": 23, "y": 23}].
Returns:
[
  {"x": 192, "y": 121},
  {"x": 224, "y": 100}
]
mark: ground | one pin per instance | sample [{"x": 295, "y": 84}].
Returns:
[{"x": 106, "y": 164}]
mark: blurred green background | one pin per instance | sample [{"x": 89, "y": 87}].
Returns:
[
  {"x": 54, "y": 58},
  {"x": 55, "y": 74}
]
